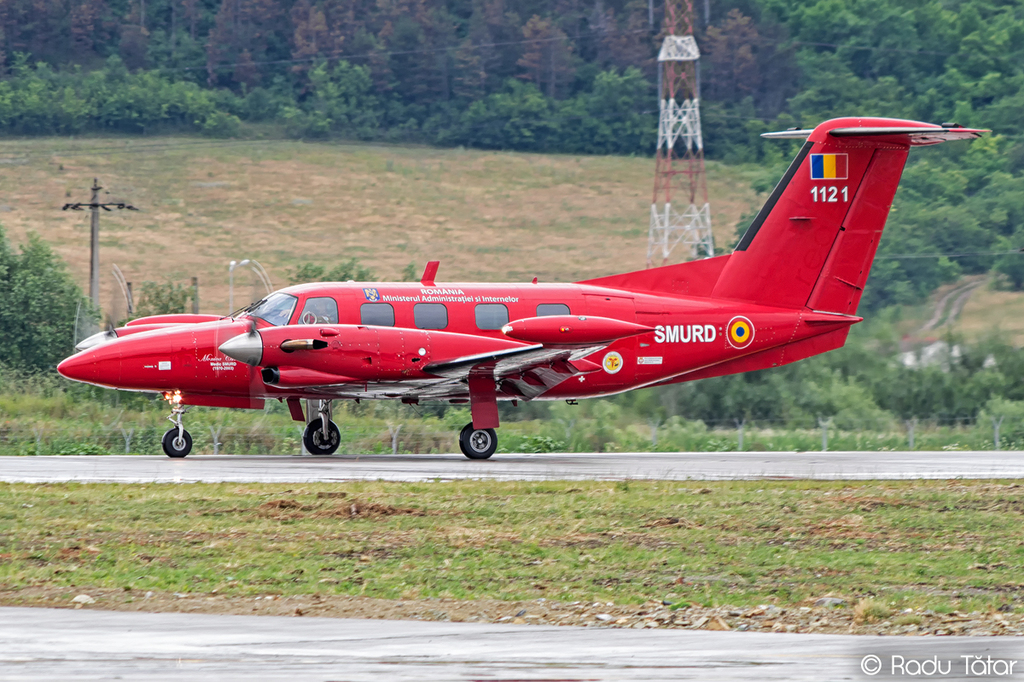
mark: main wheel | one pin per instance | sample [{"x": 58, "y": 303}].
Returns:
[
  {"x": 478, "y": 443},
  {"x": 175, "y": 446},
  {"x": 316, "y": 444}
]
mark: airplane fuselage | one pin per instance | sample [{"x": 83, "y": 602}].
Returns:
[{"x": 369, "y": 358}]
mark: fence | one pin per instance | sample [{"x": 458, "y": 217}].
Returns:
[
  {"x": 583, "y": 435},
  {"x": 263, "y": 440}
]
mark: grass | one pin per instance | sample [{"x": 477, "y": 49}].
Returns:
[
  {"x": 491, "y": 216},
  {"x": 883, "y": 546},
  {"x": 33, "y": 422}
]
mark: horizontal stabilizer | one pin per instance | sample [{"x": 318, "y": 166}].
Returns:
[
  {"x": 817, "y": 318},
  {"x": 912, "y": 136},
  {"x": 907, "y": 135}
]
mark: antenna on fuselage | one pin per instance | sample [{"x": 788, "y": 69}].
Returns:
[{"x": 429, "y": 273}]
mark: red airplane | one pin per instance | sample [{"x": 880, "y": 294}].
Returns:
[{"x": 790, "y": 290}]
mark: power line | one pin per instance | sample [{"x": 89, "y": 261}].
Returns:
[
  {"x": 135, "y": 149},
  {"x": 390, "y": 53},
  {"x": 533, "y": 41},
  {"x": 967, "y": 254}
]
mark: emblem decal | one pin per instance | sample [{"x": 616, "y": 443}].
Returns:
[
  {"x": 829, "y": 166},
  {"x": 739, "y": 332},
  {"x": 372, "y": 295},
  {"x": 612, "y": 362}
]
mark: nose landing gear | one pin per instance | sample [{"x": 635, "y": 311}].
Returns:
[
  {"x": 321, "y": 435},
  {"x": 477, "y": 443},
  {"x": 177, "y": 442}
]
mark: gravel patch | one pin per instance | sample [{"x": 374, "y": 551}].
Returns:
[{"x": 764, "y": 618}]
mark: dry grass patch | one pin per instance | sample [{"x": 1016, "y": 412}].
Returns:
[
  {"x": 870, "y": 611},
  {"x": 489, "y": 216}
]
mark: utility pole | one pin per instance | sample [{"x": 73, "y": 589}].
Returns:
[
  {"x": 94, "y": 205},
  {"x": 94, "y": 244}
]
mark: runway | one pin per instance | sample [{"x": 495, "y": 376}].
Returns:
[
  {"x": 705, "y": 466},
  {"x": 50, "y": 644}
]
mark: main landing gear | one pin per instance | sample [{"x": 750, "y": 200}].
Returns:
[
  {"x": 321, "y": 435},
  {"x": 177, "y": 442},
  {"x": 477, "y": 443}
]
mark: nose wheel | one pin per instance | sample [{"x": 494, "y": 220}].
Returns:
[
  {"x": 321, "y": 435},
  {"x": 177, "y": 442},
  {"x": 477, "y": 443}
]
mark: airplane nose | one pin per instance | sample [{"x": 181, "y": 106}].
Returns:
[
  {"x": 247, "y": 348},
  {"x": 73, "y": 368},
  {"x": 92, "y": 367}
]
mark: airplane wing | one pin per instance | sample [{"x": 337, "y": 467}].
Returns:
[
  {"x": 459, "y": 366},
  {"x": 524, "y": 372}
]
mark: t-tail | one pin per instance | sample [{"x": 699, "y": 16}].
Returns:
[{"x": 812, "y": 244}]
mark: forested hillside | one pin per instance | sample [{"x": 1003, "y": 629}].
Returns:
[{"x": 562, "y": 76}]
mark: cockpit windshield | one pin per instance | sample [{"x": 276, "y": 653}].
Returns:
[{"x": 275, "y": 309}]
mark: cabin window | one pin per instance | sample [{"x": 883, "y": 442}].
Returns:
[
  {"x": 430, "y": 315},
  {"x": 319, "y": 310},
  {"x": 491, "y": 316},
  {"x": 379, "y": 314},
  {"x": 548, "y": 309},
  {"x": 275, "y": 309}
]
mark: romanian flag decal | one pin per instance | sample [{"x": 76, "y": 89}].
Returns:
[
  {"x": 829, "y": 167},
  {"x": 740, "y": 332}
]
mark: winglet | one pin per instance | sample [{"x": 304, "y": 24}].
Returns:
[{"x": 429, "y": 273}]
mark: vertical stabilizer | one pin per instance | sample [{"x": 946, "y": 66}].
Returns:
[{"x": 813, "y": 241}]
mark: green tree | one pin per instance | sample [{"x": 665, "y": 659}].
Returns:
[
  {"x": 163, "y": 299},
  {"x": 38, "y": 304},
  {"x": 344, "y": 271}
]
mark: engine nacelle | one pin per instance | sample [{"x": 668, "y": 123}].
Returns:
[
  {"x": 355, "y": 352},
  {"x": 572, "y": 330},
  {"x": 299, "y": 377}
]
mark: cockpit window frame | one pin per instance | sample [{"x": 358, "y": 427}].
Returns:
[
  {"x": 305, "y": 309},
  {"x": 252, "y": 312}
]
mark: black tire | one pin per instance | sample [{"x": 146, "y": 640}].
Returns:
[
  {"x": 313, "y": 438},
  {"x": 175, "y": 448},
  {"x": 477, "y": 443}
]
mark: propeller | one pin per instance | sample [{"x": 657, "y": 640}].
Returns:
[
  {"x": 87, "y": 328},
  {"x": 117, "y": 312},
  {"x": 259, "y": 283}
]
